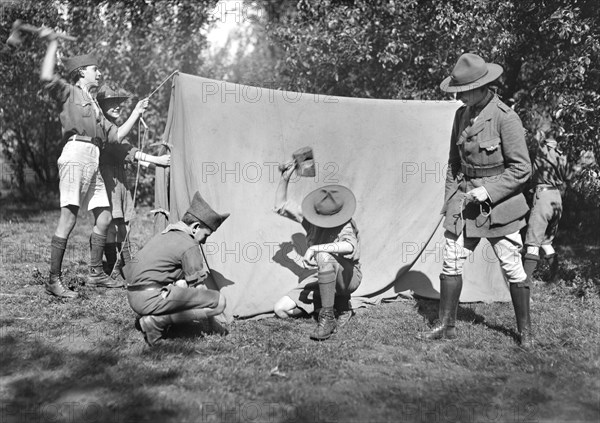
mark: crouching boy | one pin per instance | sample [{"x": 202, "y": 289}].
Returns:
[
  {"x": 333, "y": 251},
  {"x": 165, "y": 279}
]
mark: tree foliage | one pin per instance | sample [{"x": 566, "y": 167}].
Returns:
[
  {"x": 550, "y": 50},
  {"x": 362, "y": 48},
  {"x": 138, "y": 44}
]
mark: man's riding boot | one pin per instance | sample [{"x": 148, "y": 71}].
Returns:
[
  {"x": 326, "y": 325},
  {"x": 56, "y": 286},
  {"x": 519, "y": 293},
  {"x": 450, "y": 288}
]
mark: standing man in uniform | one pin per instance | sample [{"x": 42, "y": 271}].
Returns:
[
  {"x": 488, "y": 166},
  {"x": 550, "y": 173}
]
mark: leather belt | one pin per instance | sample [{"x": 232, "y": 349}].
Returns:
[
  {"x": 541, "y": 188},
  {"x": 145, "y": 287},
  {"x": 480, "y": 172},
  {"x": 84, "y": 138}
]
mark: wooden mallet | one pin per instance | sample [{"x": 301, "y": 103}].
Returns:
[{"x": 16, "y": 35}]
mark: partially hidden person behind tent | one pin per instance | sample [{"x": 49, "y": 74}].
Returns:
[
  {"x": 549, "y": 179},
  {"x": 165, "y": 281},
  {"x": 86, "y": 132},
  {"x": 488, "y": 167},
  {"x": 115, "y": 161},
  {"x": 333, "y": 251}
]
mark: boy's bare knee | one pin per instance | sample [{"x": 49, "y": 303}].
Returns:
[{"x": 324, "y": 258}]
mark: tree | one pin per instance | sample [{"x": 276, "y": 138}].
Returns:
[
  {"x": 550, "y": 50},
  {"x": 138, "y": 44}
]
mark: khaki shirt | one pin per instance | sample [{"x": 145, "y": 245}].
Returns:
[{"x": 80, "y": 114}]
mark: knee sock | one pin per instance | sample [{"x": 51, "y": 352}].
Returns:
[
  {"x": 58, "y": 246},
  {"x": 327, "y": 279},
  {"x": 530, "y": 262},
  {"x": 110, "y": 251},
  {"x": 98, "y": 242}
]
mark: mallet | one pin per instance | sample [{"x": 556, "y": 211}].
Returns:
[
  {"x": 303, "y": 161},
  {"x": 16, "y": 35}
]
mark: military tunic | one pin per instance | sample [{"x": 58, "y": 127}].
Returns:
[{"x": 487, "y": 149}]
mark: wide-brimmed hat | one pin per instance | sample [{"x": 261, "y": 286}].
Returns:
[
  {"x": 329, "y": 206},
  {"x": 205, "y": 214},
  {"x": 470, "y": 72},
  {"x": 107, "y": 96},
  {"x": 72, "y": 63}
]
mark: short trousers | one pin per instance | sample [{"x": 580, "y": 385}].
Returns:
[
  {"x": 81, "y": 183},
  {"x": 542, "y": 225},
  {"x": 175, "y": 299},
  {"x": 119, "y": 193}
]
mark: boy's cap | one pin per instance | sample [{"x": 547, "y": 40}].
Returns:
[
  {"x": 72, "y": 63},
  {"x": 205, "y": 214}
]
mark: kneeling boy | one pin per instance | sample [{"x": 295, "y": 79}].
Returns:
[{"x": 154, "y": 291}]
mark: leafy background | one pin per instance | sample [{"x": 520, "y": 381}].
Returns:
[{"x": 379, "y": 49}]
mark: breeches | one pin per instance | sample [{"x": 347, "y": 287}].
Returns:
[{"x": 506, "y": 249}]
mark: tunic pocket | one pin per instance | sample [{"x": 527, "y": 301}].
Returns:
[
  {"x": 85, "y": 109},
  {"x": 490, "y": 145}
]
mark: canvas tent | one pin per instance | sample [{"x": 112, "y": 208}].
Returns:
[{"x": 227, "y": 140}]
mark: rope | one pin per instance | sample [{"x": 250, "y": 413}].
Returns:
[
  {"x": 141, "y": 140},
  {"x": 163, "y": 82}
]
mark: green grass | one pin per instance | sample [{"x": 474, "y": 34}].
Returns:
[{"x": 83, "y": 361}]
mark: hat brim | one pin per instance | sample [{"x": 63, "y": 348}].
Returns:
[
  {"x": 331, "y": 221},
  {"x": 494, "y": 71},
  {"x": 115, "y": 99}
]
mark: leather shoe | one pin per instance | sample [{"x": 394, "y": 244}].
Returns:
[
  {"x": 326, "y": 325},
  {"x": 99, "y": 279},
  {"x": 56, "y": 286}
]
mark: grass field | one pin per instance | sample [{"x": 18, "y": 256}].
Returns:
[{"x": 83, "y": 361}]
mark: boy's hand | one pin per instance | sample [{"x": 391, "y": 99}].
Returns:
[
  {"x": 48, "y": 34},
  {"x": 163, "y": 161},
  {"x": 286, "y": 174},
  {"x": 309, "y": 257},
  {"x": 141, "y": 106}
]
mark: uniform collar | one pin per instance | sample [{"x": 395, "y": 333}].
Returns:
[{"x": 179, "y": 226}]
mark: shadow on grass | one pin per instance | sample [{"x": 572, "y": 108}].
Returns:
[
  {"x": 429, "y": 309},
  {"x": 43, "y": 381}
]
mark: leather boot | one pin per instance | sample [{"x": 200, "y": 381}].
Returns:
[
  {"x": 56, "y": 286},
  {"x": 326, "y": 325},
  {"x": 116, "y": 274},
  {"x": 98, "y": 279},
  {"x": 450, "y": 288},
  {"x": 519, "y": 293},
  {"x": 154, "y": 327}
]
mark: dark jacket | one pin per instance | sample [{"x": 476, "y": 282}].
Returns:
[{"x": 487, "y": 149}]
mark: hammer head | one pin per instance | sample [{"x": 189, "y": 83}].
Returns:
[
  {"x": 16, "y": 36},
  {"x": 305, "y": 164}
]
